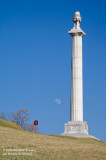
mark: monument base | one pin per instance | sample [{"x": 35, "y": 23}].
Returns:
[{"x": 77, "y": 129}]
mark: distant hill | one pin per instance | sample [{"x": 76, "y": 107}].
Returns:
[
  {"x": 45, "y": 147},
  {"x": 13, "y": 125}
]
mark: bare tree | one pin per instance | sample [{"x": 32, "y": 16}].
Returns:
[
  {"x": 21, "y": 117},
  {"x": 3, "y": 116}
]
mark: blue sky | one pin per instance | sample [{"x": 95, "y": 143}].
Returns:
[{"x": 35, "y": 61}]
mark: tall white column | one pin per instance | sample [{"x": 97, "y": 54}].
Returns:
[
  {"x": 76, "y": 70},
  {"x": 76, "y": 126},
  {"x": 76, "y": 80}
]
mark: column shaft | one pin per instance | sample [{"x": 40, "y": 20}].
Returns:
[{"x": 76, "y": 79}]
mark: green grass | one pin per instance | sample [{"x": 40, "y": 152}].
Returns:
[
  {"x": 49, "y": 147},
  {"x": 13, "y": 125}
]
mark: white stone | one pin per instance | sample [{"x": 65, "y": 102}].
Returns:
[
  {"x": 76, "y": 127},
  {"x": 76, "y": 70}
]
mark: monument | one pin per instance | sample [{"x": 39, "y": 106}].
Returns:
[{"x": 76, "y": 127}]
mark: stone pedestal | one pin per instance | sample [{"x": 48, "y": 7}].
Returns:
[{"x": 77, "y": 129}]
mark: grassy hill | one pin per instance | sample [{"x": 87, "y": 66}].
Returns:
[
  {"x": 5, "y": 123},
  {"x": 33, "y": 146}
]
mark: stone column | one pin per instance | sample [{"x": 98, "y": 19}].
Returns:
[
  {"x": 76, "y": 70},
  {"x": 76, "y": 127}
]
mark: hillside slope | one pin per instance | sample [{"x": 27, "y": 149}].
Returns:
[
  {"x": 5, "y": 123},
  {"x": 44, "y": 147}
]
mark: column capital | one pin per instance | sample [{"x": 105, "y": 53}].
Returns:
[{"x": 76, "y": 30}]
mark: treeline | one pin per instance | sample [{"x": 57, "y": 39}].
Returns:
[{"x": 21, "y": 118}]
